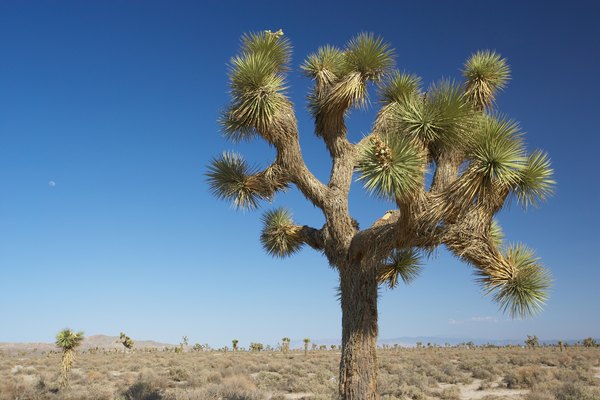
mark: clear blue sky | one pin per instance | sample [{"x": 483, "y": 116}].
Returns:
[{"x": 116, "y": 102}]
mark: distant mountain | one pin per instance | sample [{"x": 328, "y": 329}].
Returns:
[
  {"x": 110, "y": 342},
  {"x": 411, "y": 341},
  {"x": 90, "y": 342}
]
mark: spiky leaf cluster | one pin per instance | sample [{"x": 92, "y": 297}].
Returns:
[
  {"x": 497, "y": 155},
  {"x": 341, "y": 76},
  {"x": 442, "y": 118},
  {"x": 257, "y": 84},
  {"x": 69, "y": 340},
  {"x": 500, "y": 165},
  {"x": 523, "y": 289},
  {"x": 391, "y": 167},
  {"x": 279, "y": 236},
  {"x": 273, "y": 44},
  {"x": 496, "y": 234},
  {"x": 325, "y": 66},
  {"x": 368, "y": 55},
  {"x": 486, "y": 73},
  {"x": 535, "y": 182},
  {"x": 402, "y": 264},
  {"x": 228, "y": 178},
  {"x": 399, "y": 86}
]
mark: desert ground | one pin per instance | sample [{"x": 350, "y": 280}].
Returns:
[{"x": 505, "y": 373}]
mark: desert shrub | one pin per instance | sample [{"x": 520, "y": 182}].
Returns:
[
  {"x": 179, "y": 374},
  {"x": 234, "y": 388},
  {"x": 539, "y": 395},
  {"x": 525, "y": 377},
  {"x": 403, "y": 392},
  {"x": 142, "y": 391},
  {"x": 268, "y": 379},
  {"x": 450, "y": 393},
  {"x": 485, "y": 385},
  {"x": 577, "y": 391},
  {"x": 482, "y": 373}
]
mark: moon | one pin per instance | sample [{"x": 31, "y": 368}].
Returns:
[{"x": 51, "y": 184}]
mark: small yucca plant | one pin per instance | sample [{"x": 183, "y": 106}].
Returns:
[{"x": 68, "y": 341}]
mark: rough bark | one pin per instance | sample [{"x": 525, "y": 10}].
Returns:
[{"x": 358, "y": 365}]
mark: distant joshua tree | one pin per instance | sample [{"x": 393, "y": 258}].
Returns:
[
  {"x": 532, "y": 342},
  {"x": 184, "y": 343},
  {"x": 256, "y": 346},
  {"x": 561, "y": 345},
  {"x": 445, "y": 158},
  {"x": 589, "y": 342},
  {"x": 126, "y": 341},
  {"x": 234, "y": 344},
  {"x": 306, "y": 342},
  {"x": 68, "y": 341},
  {"x": 285, "y": 344},
  {"x": 197, "y": 347}
]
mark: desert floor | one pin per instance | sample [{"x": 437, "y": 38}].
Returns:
[{"x": 427, "y": 373}]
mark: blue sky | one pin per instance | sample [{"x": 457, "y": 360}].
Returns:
[{"x": 116, "y": 103}]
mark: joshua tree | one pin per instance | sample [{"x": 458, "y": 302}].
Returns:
[
  {"x": 197, "y": 347},
  {"x": 67, "y": 341},
  {"x": 234, "y": 344},
  {"x": 126, "y": 341},
  {"x": 256, "y": 346},
  {"x": 589, "y": 342},
  {"x": 184, "y": 343},
  {"x": 561, "y": 345},
  {"x": 285, "y": 344},
  {"x": 449, "y": 135},
  {"x": 306, "y": 342},
  {"x": 532, "y": 342}
]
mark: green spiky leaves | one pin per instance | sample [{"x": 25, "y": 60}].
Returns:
[
  {"x": 400, "y": 86},
  {"x": 535, "y": 182},
  {"x": 498, "y": 151},
  {"x": 279, "y": 236},
  {"x": 325, "y": 66},
  {"x": 496, "y": 234},
  {"x": 368, "y": 55},
  {"x": 69, "y": 340},
  {"x": 257, "y": 84},
  {"x": 341, "y": 76},
  {"x": 391, "y": 167},
  {"x": 522, "y": 287},
  {"x": 274, "y": 45},
  {"x": 500, "y": 165},
  {"x": 402, "y": 265},
  {"x": 486, "y": 73},
  {"x": 443, "y": 118},
  {"x": 229, "y": 178}
]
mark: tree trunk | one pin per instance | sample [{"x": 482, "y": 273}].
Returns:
[{"x": 358, "y": 366}]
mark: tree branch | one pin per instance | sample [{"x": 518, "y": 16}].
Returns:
[
  {"x": 283, "y": 134},
  {"x": 446, "y": 170},
  {"x": 312, "y": 237}
]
